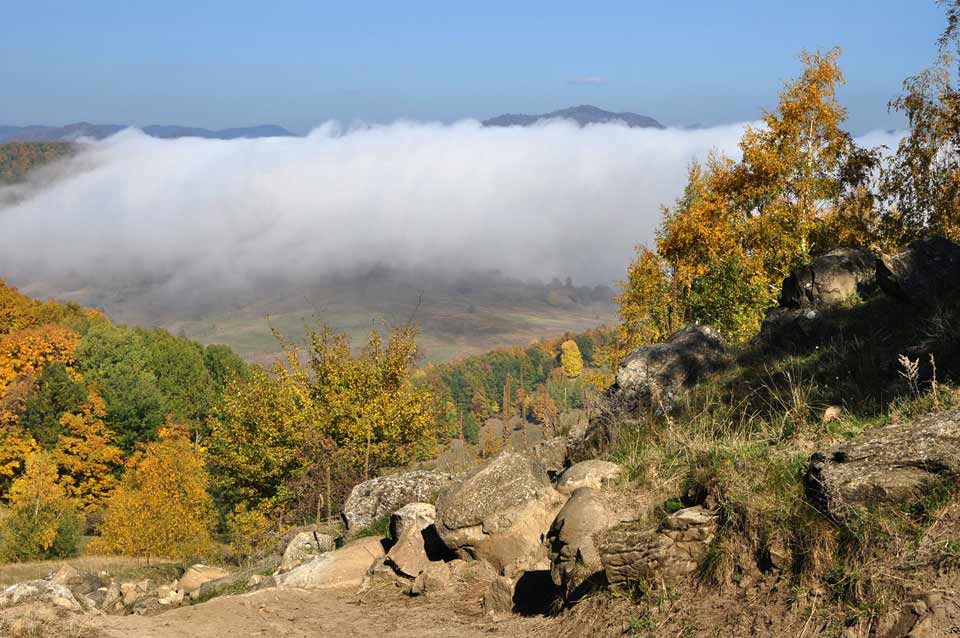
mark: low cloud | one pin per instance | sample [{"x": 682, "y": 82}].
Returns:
[{"x": 195, "y": 215}]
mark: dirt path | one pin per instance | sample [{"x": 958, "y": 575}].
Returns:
[{"x": 276, "y": 613}]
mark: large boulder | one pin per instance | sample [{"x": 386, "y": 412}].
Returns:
[
  {"x": 894, "y": 465},
  {"x": 652, "y": 376},
  {"x": 831, "y": 279},
  {"x": 345, "y": 567},
  {"x": 575, "y": 561},
  {"x": 501, "y": 514},
  {"x": 240, "y": 578},
  {"x": 304, "y": 546},
  {"x": 922, "y": 273},
  {"x": 381, "y": 496},
  {"x": 632, "y": 552}
]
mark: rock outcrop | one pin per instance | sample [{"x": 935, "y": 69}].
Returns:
[
  {"x": 922, "y": 273},
  {"x": 652, "y": 376},
  {"x": 344, "y": 567},
  {"x": 500, "y": 514},
  {"x": 632, "y": 552},
  {"x": 831, "y": 279},
  {"x": 381, "y": 496},
  {"x": 574, "y": 559},
  {"x": 894, "y": 465},
  {"x": 303, "y": 547}
]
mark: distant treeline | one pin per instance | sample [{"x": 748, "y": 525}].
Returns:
[{"x": 472, "y": 389}]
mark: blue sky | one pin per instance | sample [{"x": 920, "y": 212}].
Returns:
[{"x": 219, "y": 64}]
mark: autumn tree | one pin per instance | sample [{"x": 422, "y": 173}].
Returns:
[
  {"x": 41, "y": 521},
  {"x": 570, "y": 359},
  {"x": 546, "y": 410},
  {"x": 921, "y": 182},
  {"x": 256, "y": 446},
  {"x": 162, "y": 507},
  {"x": 365, "y": 404},
  {"x": 741, "y": 226},
  {"x": 85, "y": 457}
]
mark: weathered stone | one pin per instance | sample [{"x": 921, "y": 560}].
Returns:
[
  {"x": 895, "y": 464},
  {"x": 500, "y": 514},
  {"x": 551, "y": 454},
  {"x": 132, "y": 591},
  {"x": 922, "y": 273},
  {"x": 233, "y": 579},
  {"x": 498, "y": 597},
  {"x": 831, "y": 279},
  {"x": 344, "y": 567},
  {"x": 632, "y": 552},
  {"x": 197, "y": 575},
  {"x": 416, "y": 515},
  {"x": 592, "y": 473},
  {"x": 575, "y": 561},
  {"x": 652, "y": 376},
  {"x": 379, "y": 497},
  {"x": 112, "y": 598},
  {"x": 66, "y": 575},
  {"x": 44, "y": 591},
  {"x": 303, "y": 547},
  {"x": 409, "y": 555},
  {"x": 832, "y": 413},
  {"x": 435, "y": 577}
]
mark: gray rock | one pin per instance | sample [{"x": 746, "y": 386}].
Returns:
[
  {"x": 56, "y": 594},
  {"x": 303, "y": 547},
  {"x": 894, "y": 465},
  {"x": 501, "y": 514},
  {"x": 379, "y": 497},
  {"x": 415, "y": 515},
  {"x": 592, "y": 473},
  {"x": 922, "y": 273},
  {"x": 344, "y": 567},
  {"x": 652, "y": 376},
  {"x": 831, "y": 279},
  {"x": 635, "y": 553},
  {"x": 575, "y": 561}
]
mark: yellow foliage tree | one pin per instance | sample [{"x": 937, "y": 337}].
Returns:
[
  {"x": 161, "y": 507},
  {"x": 740, "y": 227},
  {"x": 571, "y": 361},
  {"x": 84, "y": 455},
  {"x": 42, "y": 521},
  {"x": 23, "y": 355},
  {"x": 365, "y": 404}
]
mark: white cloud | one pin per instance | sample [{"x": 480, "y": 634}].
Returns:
[{"x": 549, "y": 200}]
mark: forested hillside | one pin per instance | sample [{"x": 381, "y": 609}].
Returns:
[{"x": 19, "y": 158}]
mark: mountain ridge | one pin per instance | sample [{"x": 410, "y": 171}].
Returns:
[
  {"x": 583, "y": 115},
  {"x": 77, "y": 130}
]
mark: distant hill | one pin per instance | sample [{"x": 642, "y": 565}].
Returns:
[
  {"x": 71, "y": 132},
  {"x": 582, "y": 115}
]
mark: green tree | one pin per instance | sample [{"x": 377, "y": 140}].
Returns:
[{"x": 57, "y": 393}]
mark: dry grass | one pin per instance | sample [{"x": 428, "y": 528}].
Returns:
[{"x": 120, "y": 567}]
